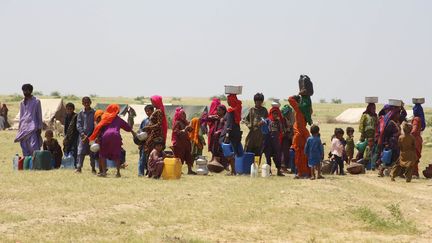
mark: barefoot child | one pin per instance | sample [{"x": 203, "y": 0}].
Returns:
[
  {"x": 272, "y": 143},
  {"x": 70, "y": 132},
  {"x": 408, "y": 155},
  {"x": 156, "y": 159},
  {"x": 338, "y": 151},
  {"x": 143, "y": 157},
  {"x": 315, "y": 151},
  {"x": 349, "y": 144},
  {"x": 85, "y": 127}
]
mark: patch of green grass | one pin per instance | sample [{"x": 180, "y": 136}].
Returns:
[{"x": 377, "y": 222}]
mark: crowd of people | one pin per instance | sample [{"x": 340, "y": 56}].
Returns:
[{"x": 279, "y": 135}]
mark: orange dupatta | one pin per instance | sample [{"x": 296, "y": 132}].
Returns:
[
  {"x": 110, "y": 114},
  {"x": 194, "y": 134}
]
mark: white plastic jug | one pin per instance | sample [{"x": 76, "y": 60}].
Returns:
[
  {"x": 15, "y": 161},
  {"x": 265, "y": 170},
  {"x": 254, "y": 170}
]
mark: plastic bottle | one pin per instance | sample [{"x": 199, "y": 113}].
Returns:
[
  {"x": 254, "y": 170},
  {"x": 15, "y": 162},
  {"x": 265, "y": 170}
]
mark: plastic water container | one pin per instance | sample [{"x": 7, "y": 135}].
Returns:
[
  {"x": 418, "y": 100},
  {"x": 21, "y": 163},
  {"x": 257, "y": 160},
  {"x": 265, "y": 127},
  {"x": 109, "y": 164},
  {"x": 31, "y": 163},
  {"x": 68, "y": 162},
  {"x": 26, "y": 164},
  {"x": 42, "y": 160},
  {"x": 386, "y": 157},
  {"x": 306, "y": 83},
  {"x": 292, "y": 160},
  {"x": 254, "y": 170},
  {"x": 172, "y": 169},
  {"x": 15, "y": 161},
  {"x": 243, "y": 163},
  {"x": 227, "y": 149},
  {"x": 265, "y": 170}
]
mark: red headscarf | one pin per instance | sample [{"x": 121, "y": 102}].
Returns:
[
  {"x": 109, "y": 115},
  {"x": 178, "y": 116},
  {"x": 273, "y": 109},
  {"x": 98, "y": 114},
  {"x": 235, "y": 107},
  {"x": 272, "y": 118},
  {"x": 158, "y": 104},
  {"x": 213, "y": 106}
]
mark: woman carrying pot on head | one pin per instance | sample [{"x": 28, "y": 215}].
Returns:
[
  {"x": 390, "y": 138},
  {"x": 418, "y": 126},
  {"x": 232, "y": 132}
]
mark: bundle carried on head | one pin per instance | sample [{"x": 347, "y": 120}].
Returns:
[{"x": 305, "y": 85}]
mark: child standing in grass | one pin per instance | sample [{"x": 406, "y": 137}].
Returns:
[
  {"x": 142, "y": 161},
  {"x": 408, "y": 156},
  {"x": 314, "y": 150},
  {"x": 338, "y": 151},
  {"x": 349, "y": 144}
]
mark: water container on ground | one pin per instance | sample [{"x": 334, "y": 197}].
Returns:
[
  {"x": 172, "y": 169},
  {"x": 243, "y": 163},
  {"x": 42, "y": 160}
]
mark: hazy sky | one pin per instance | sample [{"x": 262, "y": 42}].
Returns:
[{"x": 193, "y": 47}]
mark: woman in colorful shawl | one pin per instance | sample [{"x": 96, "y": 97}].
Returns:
[
  {"x": 158, "y": 125},
  {"x": 181, "y": 144},
  {"x": 390, "y": 137},
  {"x": 211, "y": 122},
  {"x": 110, "y": 139},
  {"x": 301, "y": 134},
  {"x": 272, "y": 144},
  {"x": 368, "y": 122},
  {"x": 196, "y": 137},
  {"x": 418, "y": 126},
  {"x": 231, "y": 132},
  {"x": 287, "y": 135}
]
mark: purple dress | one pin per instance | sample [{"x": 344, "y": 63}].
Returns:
[
  {"x": 29, "y": 123},
  {"x": 111, "y": 141}
]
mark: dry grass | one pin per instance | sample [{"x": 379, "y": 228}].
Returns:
[{"x": 60, "y": 206}]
